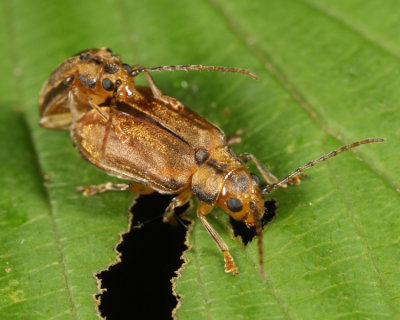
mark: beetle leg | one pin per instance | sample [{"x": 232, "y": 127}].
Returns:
[
  {"x": 111, "y": 186},
  {"x": 235, "y": 138},
  {"x": 140, "y": 188},
  {"x": 202, "y": 210},
  {"x": 123, "y": 137},
  {"x": 98, "y": 109},
  {"x": 266, "y": 174},
  {"x": 176, "y": 202},
  {"x": 157, "y": 93},
  {"x": 73, "y": 105},
  {"x": 76, "y": 113}
]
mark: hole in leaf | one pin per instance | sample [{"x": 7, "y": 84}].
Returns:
[
  {"x": 247, "y": 234},
  {"x": 140, "y": 286}
]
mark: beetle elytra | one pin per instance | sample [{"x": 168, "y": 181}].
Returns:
[{"x": 156, "y": 143}]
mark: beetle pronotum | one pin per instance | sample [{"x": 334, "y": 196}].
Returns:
[{"x": 154, "y": 141}]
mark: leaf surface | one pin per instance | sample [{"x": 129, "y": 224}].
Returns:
[{"x": 328, "y": 75}]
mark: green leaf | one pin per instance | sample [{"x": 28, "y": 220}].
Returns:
[{"x": 328, "y": 75}]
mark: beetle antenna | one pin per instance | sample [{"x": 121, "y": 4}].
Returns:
[
  {"x": 139, "y": 69},
  {"x": 258, "y": 226},
  {"x": 310, "y": 164}
]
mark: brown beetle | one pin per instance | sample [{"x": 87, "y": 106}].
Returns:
[{"x": 139, "y": 134}]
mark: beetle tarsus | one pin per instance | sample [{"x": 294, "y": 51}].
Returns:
[
  {"x": 178, "y": 201},
  {"x": 169, "y": 215},
  {"x": 203, "y": 209},
  {"x": 111, "y": 186},
  {"x": 177, "y": 105},
  {"x": 101, "y": 188},
  {"x": 230, "y": 264}
]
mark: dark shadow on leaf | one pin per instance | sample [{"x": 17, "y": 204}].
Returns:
[
  {"x": 140, "y": 286},
  {"x": 247, "y": 234}
]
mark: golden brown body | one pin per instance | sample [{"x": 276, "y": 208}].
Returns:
[
  {"x": 138, "y": 134},
  {"x": 145, "y": 146},
  {"x": 141, "y": 135}
]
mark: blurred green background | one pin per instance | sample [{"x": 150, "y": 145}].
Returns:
[{"x": 328, "y": 75}]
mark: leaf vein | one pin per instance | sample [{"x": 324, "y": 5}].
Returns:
[{"x": 19, "y": 78}]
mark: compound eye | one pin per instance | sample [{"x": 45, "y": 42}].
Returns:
[
  {"x": 256, "y": 179},
  {"x": 107, "y": 84},
  {"x": 127, "y": 67},
  {"x": 234, "y": 204}
]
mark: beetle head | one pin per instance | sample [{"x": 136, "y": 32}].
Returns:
[
  {"x": 241, "y": 198},
  {"x": 92, "y": 74},
  {"x": 99, "y": 73}
]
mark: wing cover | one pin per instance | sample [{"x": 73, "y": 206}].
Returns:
[{"x": 147, "y": 141}]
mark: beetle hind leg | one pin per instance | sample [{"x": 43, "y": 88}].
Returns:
[
  {"x": 178, "y": 201},
  {"x": 111, "y": 186}
]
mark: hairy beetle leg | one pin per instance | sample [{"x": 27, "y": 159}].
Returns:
[
  {"x": 202, "y": 210},
  {"x": 179, "y": 201},
  {"x": 111, "y": 186},
  {"x": 229, "y": 263},
  {"x": 268, "y": 176}
]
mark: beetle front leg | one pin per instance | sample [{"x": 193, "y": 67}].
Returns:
[
  {"x": 266, "y": 174},
  {"x": 235, "y": 138},
  {"x": 202, "y": 210},
  {"x": 157, "y": 93},
  {"x": 98, "y": 109},
  {"x": 179, "y": 201},
  {"x": 74, "y": 107},
  {"x": 111, "y": 186}
]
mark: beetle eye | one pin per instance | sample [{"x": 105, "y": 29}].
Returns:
[
  {"x": 67, "y": 81},
  {"x": 256, "y": 179},
  {"x": 127, "y": 67},
  {"x": 107, "y": 84},
  {"x": 234, "y": 204}
]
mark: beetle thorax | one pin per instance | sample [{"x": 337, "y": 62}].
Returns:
[{"x": 223, "y": 180}]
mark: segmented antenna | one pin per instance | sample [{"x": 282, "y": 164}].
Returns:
[
  {"x": 258, "y": 226},
  {"x": 279, "y": 184},
  {"x": 138, "y": 69}
]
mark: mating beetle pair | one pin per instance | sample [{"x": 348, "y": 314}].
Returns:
[{"x": 138, "y": 134}]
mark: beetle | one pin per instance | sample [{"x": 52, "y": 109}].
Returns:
[{"x": 152, "y": 140}]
